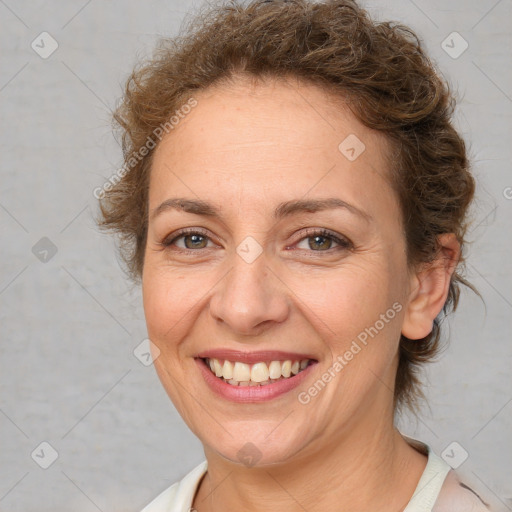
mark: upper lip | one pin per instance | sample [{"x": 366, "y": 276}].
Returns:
[{"x": 252, "y": 357}]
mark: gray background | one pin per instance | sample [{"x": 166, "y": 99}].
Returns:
[{"x": 69, "y": 325}]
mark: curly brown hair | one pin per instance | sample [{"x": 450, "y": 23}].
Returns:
[{"x": 380, "y": 68}]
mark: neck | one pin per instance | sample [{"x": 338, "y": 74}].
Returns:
[{"x": 370, "y": 468}]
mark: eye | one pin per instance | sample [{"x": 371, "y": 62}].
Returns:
[
  {"x": 322, "y": 241},
  {"x": 188, "y": 239},
  {"x": 317, "y": 240}
]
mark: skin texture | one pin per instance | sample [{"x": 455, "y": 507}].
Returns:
[{"x": 246, "y": 148}]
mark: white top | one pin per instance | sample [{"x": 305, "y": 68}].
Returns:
[{"x": 438, "y": 490}]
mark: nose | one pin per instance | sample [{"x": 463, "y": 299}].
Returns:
[{"x": 250, "y": 298}]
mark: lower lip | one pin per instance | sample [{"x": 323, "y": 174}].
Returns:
[{"x": 247, "y": 394}]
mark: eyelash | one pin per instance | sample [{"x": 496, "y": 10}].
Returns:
[{"x": 342, "y": 242}]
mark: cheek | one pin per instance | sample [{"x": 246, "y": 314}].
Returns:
[
  {"x": 345, "y": 301},
  {"x": 169, "y": 299}
]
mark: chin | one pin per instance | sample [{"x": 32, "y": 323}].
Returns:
[{"x": 252, "y": 446}]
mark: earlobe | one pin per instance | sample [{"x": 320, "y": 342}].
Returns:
[{"x": 429, "y": 289}]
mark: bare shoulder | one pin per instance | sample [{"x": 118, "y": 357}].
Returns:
[{"x": 455, "y": 496}]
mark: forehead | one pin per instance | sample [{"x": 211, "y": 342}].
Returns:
[{"x": 272, "y": 136}]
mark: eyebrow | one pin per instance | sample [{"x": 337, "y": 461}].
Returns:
[{"x": 287, "y": 208}]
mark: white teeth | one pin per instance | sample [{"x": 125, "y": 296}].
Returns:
[
  {"x": 227, "y": 370},
  {"x": 274, "y": 370},
  {"x": 286, "y": 370},
  {"x": 217, "y": 368},
  {"x": 241, "y": 372},
  {"x": 258, "y": 374}
]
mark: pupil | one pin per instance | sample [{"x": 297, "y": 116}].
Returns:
[
  {"x": 318, "y": 240},
  {"x": 194, "y": 240}
]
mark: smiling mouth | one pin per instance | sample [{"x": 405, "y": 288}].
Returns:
[{"x": 257, "y": 374}]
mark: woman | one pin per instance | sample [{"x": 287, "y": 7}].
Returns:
[{"x": 293, "y": 201}]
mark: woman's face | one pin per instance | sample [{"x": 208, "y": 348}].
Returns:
[{"x": 295, "y": 252}]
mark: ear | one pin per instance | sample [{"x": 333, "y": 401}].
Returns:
[{"x": 429, "y": 287}]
